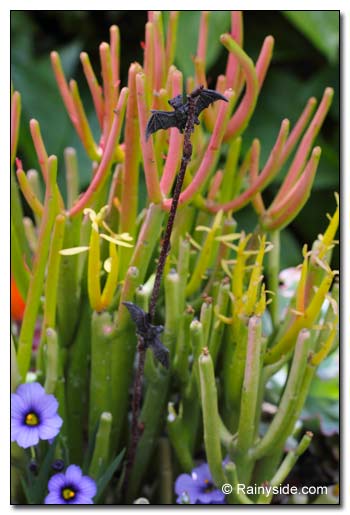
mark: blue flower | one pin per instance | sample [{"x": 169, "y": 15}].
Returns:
[
  {"x": 198, "y": 488},
  {"x": 71, "y": 488},
  {"x": 33, "y": 415}
]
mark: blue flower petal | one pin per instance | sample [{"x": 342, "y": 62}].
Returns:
[
  {"x": 87, "y": 486},
  {"x": 56, "y": 482},
  {"x": 27, "y": 437},
  {"x": 82, "y": 499},
  {"x": 54, "y": 498},
  {"x": 48, "y": 406},
  {"x": 46, "y": 431},
  {"x": 74, "y": 474},
  {"x": 31, "y": 393},
  {"x": 18, "y": 406}
]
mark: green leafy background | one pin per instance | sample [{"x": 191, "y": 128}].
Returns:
[{"x": 305, "y": 61}]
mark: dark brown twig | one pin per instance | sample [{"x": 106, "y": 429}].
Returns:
[{"x": 136, "y": 430}]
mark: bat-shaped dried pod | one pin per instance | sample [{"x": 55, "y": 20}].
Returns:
[
  {"x": 148, "y": 332},
  {"x": 178, "y": 117}
]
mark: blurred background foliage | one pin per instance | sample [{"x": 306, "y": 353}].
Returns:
[{"x": 305, "y": 61}]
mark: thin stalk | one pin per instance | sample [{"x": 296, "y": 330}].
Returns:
[
  {"x": 279, "y": 428},
  {"x": 38, "y": 272},
  {"x": 52, "y": 361},
  {"x": 211, "y": 420},
  {"x": 72, "y": 175},
  {"x": 273, "y": 269},
  {"x": 285, "y": 467},
  {"x": 100, "y": 457},
  {"x": 100, "y": 374},
  {"x": 77, "y": 385}
]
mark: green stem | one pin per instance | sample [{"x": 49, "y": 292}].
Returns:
[
  {"x": 249, "y": 397},
  {"x": 234, "y": 365},
  {"x": 236, "y": 496},
  {"x": 273, "y": 269},
  {"x": 205, "y": 318},
  {"x": 280, "y": 427},
  {"x": 211, "y": 420},
  {"x": 183, "y": 270},
  {"x": 100, "y": 456},
  {"x": 52, "y": 361},
  {"x": 100, "y": 372},
  {"x": 216, "y": 335},
  {"x": 77, "y": 384},
  {"x": 50, "y": 292},
  {"x": 72, "y": 176},
  {"x": 68, "y": 284},
  {"x": 179, "y": 439},
  {"x": 38, "y": 273},
  {"x": 246, "y": 426},
  {"x": 286, "y": 466}
]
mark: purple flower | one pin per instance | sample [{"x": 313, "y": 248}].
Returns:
[
  {"x": 33, "y": 415},
  {"x": 71, "y": 488},
  {"x": 198, "y": 488}
]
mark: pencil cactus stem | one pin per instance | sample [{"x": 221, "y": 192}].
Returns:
[
  {"x": 100, "y": 457},
  {"x": 281, "y": 213},
  {"x": 94, "y": 86},
  {"x": 306, "y": 143},
  {"x": 15, "y": 121},
  {"x": 211, "y": 420},
  {"x": 246, "y": 426},
  {"x": 109, "y": 96},
  {"x": 72, "y": 176},
  {"x": 107, "y": 157},
  {"x": 203, "y": 35},
  {"x": 264, "y": 59},
  {"x": 242, "y": 115},
  {"x": 114, "y": 36},
  {"x": 265, "y": 177},
  {"x": 38, "y": 272},
  {"x": 86, "y": 134},
  {"x": 112, "y": 278},
  {"x": 273, "y": 269},
  {"x": 257, "y": 200},
  {"x": 175, "y": 143},
  {"x": 130, "y": 174},
  {"x": 159, "y": 51},
  {"x": 33, "y": 202},
  {"x": 286, "y": 341},
  {"x": 149, "y": 159},
  {"x": 279, "y": 427},
  {"x": 39, "y": 146},
  {"x": 298, "y": 129},
  {"x": 148, "y": 62},
  {"x": 171, "y": 38},
  {"x": 52, "y": 359},
  {"x": 236, "y": 496},
  {"x": 65, "y": 92},
  {"x": 211, "y": 153},
  {"x": 35, "y": 183},
  {"x": 53, "y": 263},
  {"x": 232, "y": 67},
  {"x": 285, "y": 467},
  {"x": 94, "y": 268}
]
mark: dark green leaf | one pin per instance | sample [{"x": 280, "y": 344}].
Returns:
[{"x": 320, "y": 27}]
